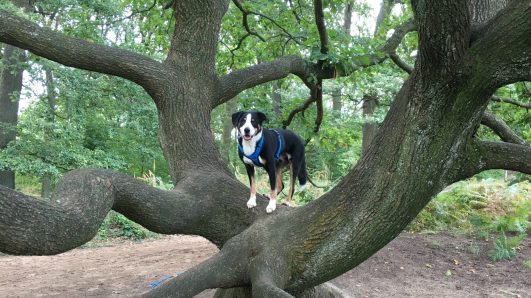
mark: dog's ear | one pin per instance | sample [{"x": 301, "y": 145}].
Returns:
[
  {"x": 235, "y": 118},
  {"x": 261, "y": 117}
]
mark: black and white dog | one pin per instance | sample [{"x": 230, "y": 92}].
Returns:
[{"x": 271, "y": 149}]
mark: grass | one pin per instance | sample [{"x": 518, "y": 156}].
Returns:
[
  {"x": 473, "y": 248},
  {"x": 481, "y": 207},
  {"x": 29, "y": 185},
  {"x": 505, "y": 247},
  {"x": 527, "y": 264},
  {"x": 115, "y": 225}
]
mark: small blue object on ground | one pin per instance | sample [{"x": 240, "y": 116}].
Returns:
[{"x": 157, "y": 283}]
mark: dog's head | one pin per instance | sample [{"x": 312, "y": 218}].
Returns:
[{"x": 249, "y": 123}]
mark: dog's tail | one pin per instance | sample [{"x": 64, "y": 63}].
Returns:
[
  {"x": 303, "y": 175},
  {"x": 304, "y": 178},
  {"x": 317, "y": 185}
]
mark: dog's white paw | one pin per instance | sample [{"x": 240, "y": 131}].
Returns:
[
  {"x": 302, "y": 187},
  {"x": 271, "y": 206},
  {"x": 251, "y": 203}
]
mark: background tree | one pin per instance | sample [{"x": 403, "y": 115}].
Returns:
[
  {"x": 425, "y": 143},
  {"x": 10, "y": 88}
]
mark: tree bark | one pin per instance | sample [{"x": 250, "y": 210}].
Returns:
[
  {"x": 427, "y": 133},
  {"x": 370, "y": 102},
  {"x": 370, "y": 128},
  {"x": 10, "y": 89},
  {"x": 228, "y": 138},
  {"x": 276, "y": 98},
  {"x": 47, "y": 179},
  {"x": 337, "y": 104}
]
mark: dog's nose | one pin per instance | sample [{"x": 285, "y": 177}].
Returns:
[{"x": 246, "y": 130}]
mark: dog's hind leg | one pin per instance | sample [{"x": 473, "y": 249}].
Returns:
[{"x": 291, "y": 184}]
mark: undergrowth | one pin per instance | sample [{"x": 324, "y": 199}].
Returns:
[
  {"x": 489, "y": 209},
  {"x": 478, "y": 206}
]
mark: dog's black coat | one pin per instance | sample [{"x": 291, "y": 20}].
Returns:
[{"x": 292, "y": 150}]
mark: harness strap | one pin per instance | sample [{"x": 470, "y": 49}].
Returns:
[
  {"x": 254, "y": 157},
  {"x": 277, "y": 154}
]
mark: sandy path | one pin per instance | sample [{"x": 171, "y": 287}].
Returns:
[{"x": 410, "y": 266}]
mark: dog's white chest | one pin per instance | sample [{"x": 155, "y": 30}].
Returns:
[{"x": 249, "y": 148}]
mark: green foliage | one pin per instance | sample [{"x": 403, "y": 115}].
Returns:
[
  {"x": 116, "y": 225},
  {"x": 505, "y": 247},
  {"x": 527, "y": 264},
  {"x": 106, "y": 122},
  {"x": 474, "y": 249},
  {"x": 479, "y": 206},
  {"x": 28, "y": 184}
]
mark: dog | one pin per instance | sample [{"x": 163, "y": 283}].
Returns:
[{"x": 271, "y": 149}]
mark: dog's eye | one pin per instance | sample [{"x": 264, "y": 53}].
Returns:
[{"x": 252, "y": 120}]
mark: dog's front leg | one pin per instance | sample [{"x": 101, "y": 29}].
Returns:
[
  {"x": 271, "y": 170},
  {"x": 252, "y": 199}
]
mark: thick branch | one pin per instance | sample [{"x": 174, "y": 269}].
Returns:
[
  {"x": 501, "y": 129},
  {"x": 83, "y": 198},
  {"x": 319, "y": 105},
  {"x": 444, "y": 34},
  {"x": 79, "y": 53},
  {"x": 487, "y": 155},
  {"x": 401, "y": 63},
  {"x": 501, "y": 52},
  {"x": 243, "y": 79},
  {"x": 320, "y": 23},
  {"x": 481, "y": 11},
  {"x": 237, "y": 81}
]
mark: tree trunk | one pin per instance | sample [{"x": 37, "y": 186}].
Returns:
[
  {"x": 370, "y": 128},
  {"x": 370, "y": 102},
  {"x": 47, "y": 179},
  {"x": 10, "y": 89},
  {"x": 337, "y": 105},
  {"x": 276, "y": 98},
  {"x": 227, "y": 137}
]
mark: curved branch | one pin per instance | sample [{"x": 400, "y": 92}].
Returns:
[
  {"x": 302, "y": 108},
  {"x": 444, "y": 34},
  {"x": 501, "y": 51},
  {"x": 319, "y": 105},
  {"x": 83, "y": 198},
  {"x": 501, "y": 129},
  {"x": 320, "y": 23},
  {"x": 487, "y": 155},
  {"x": 396, "y": 38},
  {"x": 240, "y": 80},
  {"x": 401, "y": 63},
  {"x": 245, "y": 22},
  {"x": 247, "y": 12},
  {"x": 511, "y": 101},
  {"x": 79, "y": 53}
]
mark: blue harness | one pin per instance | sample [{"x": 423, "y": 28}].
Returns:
[{"x": 255, "y": 156}]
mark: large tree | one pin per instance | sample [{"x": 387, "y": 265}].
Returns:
[{"x": 427, "y": 141}]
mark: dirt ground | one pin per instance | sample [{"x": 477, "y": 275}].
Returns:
[{"x": 410, "y": 266}]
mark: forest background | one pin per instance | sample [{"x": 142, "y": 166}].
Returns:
[{"x": 70, "y": 119}]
